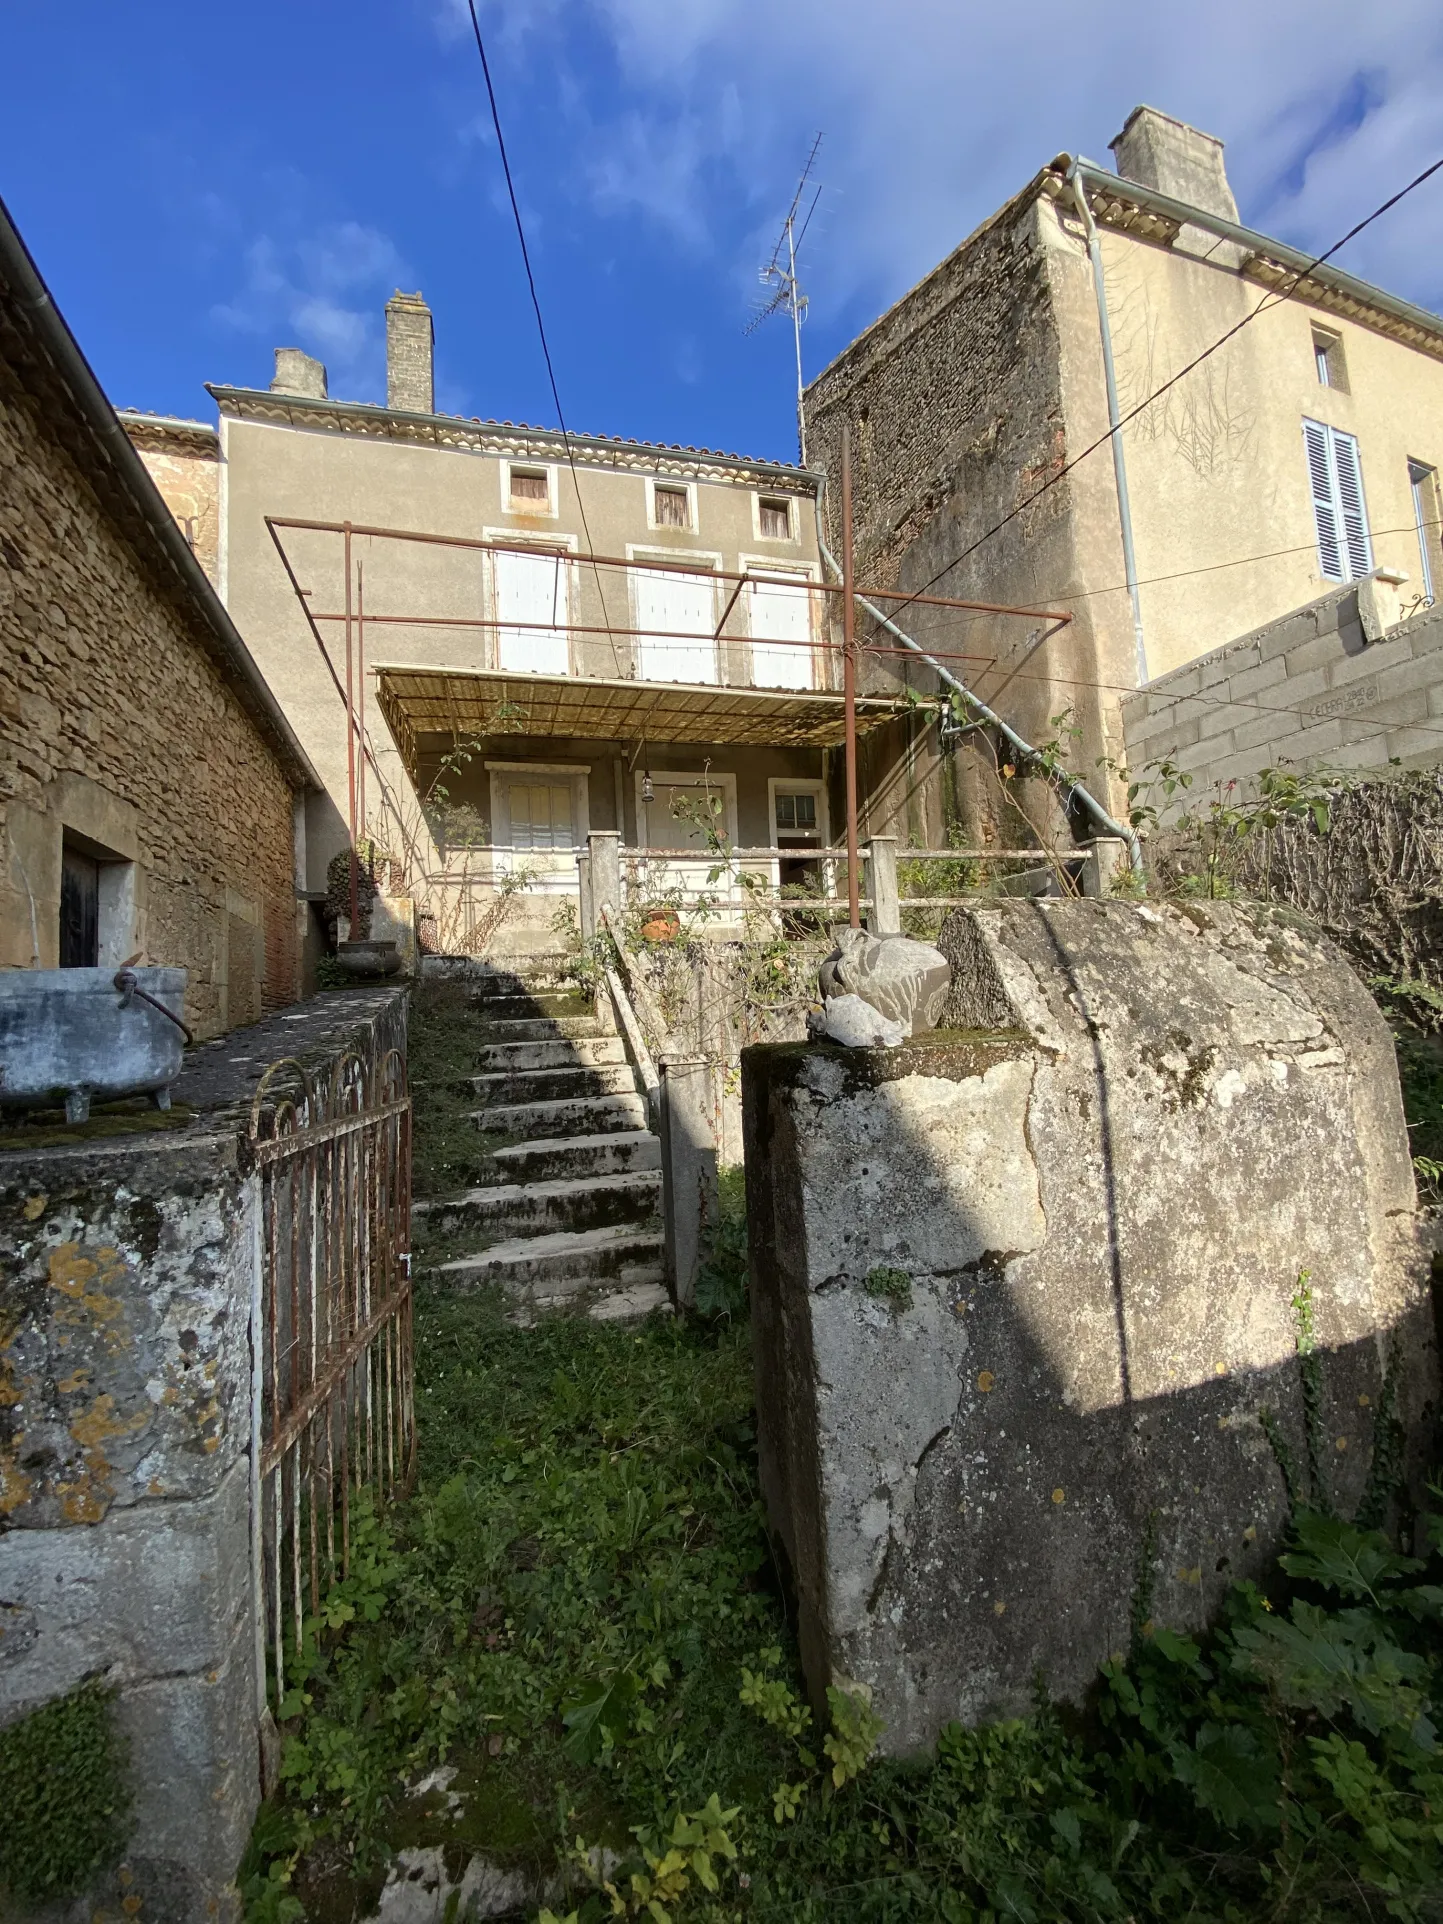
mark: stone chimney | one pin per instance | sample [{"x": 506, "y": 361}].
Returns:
[
  {"x": 1157, "y": 151},
  {"x": 409, "y": 341},
  {"x": 297, "y": 373}
]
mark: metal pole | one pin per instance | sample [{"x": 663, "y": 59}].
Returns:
[
  {"x": 351, "y": 745},
  {"x": 849, "y": 680},
  {"x": 361, "y": 693}
]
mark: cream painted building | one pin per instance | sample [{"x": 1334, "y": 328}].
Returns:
[
  {"x": 544, "y": 640},
  {"x": 1301, "y": 454}
]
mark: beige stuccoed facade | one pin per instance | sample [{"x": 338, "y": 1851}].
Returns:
[
  {"x": 493, "y": 744},
  {"x": 971, "y": 398}
]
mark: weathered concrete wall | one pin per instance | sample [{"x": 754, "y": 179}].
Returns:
[
  {"x": 126, "y": 1279},
  {"x": 1342, "y": 683},
  {"x": 1100, "y": 1185}
]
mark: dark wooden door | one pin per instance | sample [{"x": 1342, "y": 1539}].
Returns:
[{"x": 79, "y": 910}]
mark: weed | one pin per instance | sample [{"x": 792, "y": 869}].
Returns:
[{"x": 891, "y": 1286}]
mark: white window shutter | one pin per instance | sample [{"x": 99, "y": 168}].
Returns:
[
  {"x": 1325, "y": 514},
  {"x": 1350, "y": 501}
]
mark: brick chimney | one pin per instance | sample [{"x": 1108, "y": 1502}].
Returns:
[
  {"x": 409, "y": 342},
  {"x": 1157, "y": 151},
  {"x": 298, "y": 373}
]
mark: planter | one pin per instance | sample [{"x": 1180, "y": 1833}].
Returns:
[
  {"x": 368, "y": 960},
  {"x": 660, "y": 924},
  {"x": 73, "y": 1034}
]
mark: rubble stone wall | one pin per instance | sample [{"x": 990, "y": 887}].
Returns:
[{"x": 116, "y": 723}]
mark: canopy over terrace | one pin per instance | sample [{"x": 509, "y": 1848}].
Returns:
[{"x": 483, "y": 701}]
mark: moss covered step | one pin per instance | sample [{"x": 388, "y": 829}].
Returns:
[
  {"x": 533, "y": 1003},
  {"x": 557, "y": 1202},
  {"x": 543, "y": 1028},
  {"x": 559, "y": 1052},
  {"x": 550, "y": 1085},
  {"x": 543, "y": 1159},
  {"x": 563, "y": 1264},
  {"x": 570, "y": 1116}
]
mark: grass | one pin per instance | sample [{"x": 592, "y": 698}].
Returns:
[{"x": 576, "y": 1613}]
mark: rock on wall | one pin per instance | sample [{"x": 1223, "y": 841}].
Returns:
[{"x": 1098, "y": 1187}]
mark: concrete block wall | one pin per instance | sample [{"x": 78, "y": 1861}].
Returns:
[{"x": 1313, "y": 689}]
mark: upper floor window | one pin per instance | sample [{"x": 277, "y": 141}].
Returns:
[
  {"x": 1328, "y": 359},
  {"x": 670, "y": 507},
  {"x": 529, "y": 490},
  {"x": 1345, "y": 548},
  {"x": 1424, "y": 485},
  {"x": 774, "y": 517}
]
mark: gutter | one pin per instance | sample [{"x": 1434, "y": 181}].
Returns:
[
  {"x": 1114, "y": 421},
  {"x": 1075, "y": 789},
  {"x": 1252, "y": 242},
  {"x": 32, "y": 297}
]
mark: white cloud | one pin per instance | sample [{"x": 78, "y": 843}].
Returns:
[
  {"x": 325, "y": 291},
  {"x": 937, "y": 110}
]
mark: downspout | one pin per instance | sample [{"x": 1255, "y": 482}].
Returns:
[
  {"x": 1026, "y": 752},
  {"x": 1114, "y": 418}
]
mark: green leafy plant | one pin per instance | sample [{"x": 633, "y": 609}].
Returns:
[
  {"x": 64, "y": 1795},
  {"x": 891, "y": 1286}
]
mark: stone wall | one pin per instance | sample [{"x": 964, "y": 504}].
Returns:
[
  {"x": 126, "y": 1288},
  {"x": 118, "y": 725},
  {"x": 1022, "y": 1291},
  {"x": 1343, "y": 683},
  {"x": 183, "y": 460}
]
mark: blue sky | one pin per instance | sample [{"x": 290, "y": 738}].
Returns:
[{"x": 200, "y": 185}]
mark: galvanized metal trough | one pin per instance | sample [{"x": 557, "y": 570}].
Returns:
[{"x": 74, "y": 1034}]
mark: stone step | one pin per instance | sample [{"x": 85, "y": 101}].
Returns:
[
  {"x": 545, "y": 1028},
  {"x": 542, "y": 1160},
  {"x": 571, "y": 1116},
  {"x": 563, "y": 1263},
  {"x": 523, "y": 1007},
  {"x": 558, "y": 1202},
  {"x": 560, "y": 1052},
  {"x": 550, "y": 1085}
]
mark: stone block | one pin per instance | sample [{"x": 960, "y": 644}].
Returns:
[
  {"x": 1022, "y": 1289},
  {"x": 1245, "y": 685}
]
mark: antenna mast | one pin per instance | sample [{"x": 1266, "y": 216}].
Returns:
[{"x": 780, "y": 275}]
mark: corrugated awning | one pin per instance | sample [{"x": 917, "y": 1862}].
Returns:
[{"x": 490, "y": 701}]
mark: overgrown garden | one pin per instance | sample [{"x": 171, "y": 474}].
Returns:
[{"x": 576, "y": 1623}]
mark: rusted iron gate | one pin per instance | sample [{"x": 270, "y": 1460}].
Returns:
[{"x": 332, "y": 1378}]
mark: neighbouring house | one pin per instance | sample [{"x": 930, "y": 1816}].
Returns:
[
  {"x": 151, "y": 787},
  {"x": 1299, "y": 458},
  {"x": 548, "y": 635}
]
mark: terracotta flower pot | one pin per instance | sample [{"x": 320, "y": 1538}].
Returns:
[{"x": 660, "y": 924}]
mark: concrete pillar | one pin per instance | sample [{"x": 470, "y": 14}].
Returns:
[
  {"x": 688, "y": 1169},
  {"x": 885, "y": 915},
  {"x": 1105, "y": 857},
  {"x": 605, "y": 846},
  {"x": 588, "y": 906}
]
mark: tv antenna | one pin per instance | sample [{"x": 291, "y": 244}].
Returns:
[{"x": 780, "y": 276}]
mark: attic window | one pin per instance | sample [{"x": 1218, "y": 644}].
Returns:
[
  {"x": 775, "y": 518},
  {"x": 1328, "y": 359},
  {"x": 670, "y": 507},
  {"x": 530, "y": 484}
]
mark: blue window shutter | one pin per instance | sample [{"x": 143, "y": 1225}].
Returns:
[
  {"x": 1320, "y": 476},
  {"x": 1350, "y": 500}
]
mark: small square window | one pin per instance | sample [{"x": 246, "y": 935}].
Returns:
[
  {"x": 775, "y": 518},
  {"x": 530, "y": 486},
  {"x": 670, "y": 507},
  {"x": 1328, "y": 360},
  {"x": 797, "y": 812}
]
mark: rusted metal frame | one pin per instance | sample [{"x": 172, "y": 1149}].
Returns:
[
  {"x": 300, "y": 595},
  {"x": 274, "y": 1147},
  {"x": 665, "y": 567},
  {"x": 351, "y": 752},
  {"x": 726, "y": 612},
  {"x": 361, "y": 686}
]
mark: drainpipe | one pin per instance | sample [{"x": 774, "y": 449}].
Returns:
[
  {"x": 1114, "y": 418},
  {"x": 1026, "y": 752}
]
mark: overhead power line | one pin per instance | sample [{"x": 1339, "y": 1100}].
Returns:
[
  {"x": 536, "y": 306},
  {"x": 1271, "y": 299}
]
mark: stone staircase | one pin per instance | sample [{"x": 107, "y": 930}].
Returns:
[{"x": 571, "y": 1220}]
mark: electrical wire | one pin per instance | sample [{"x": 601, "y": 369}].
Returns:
[
  {"x": 1271, "y": 299},
  {"x": 540, "y": 323}
]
